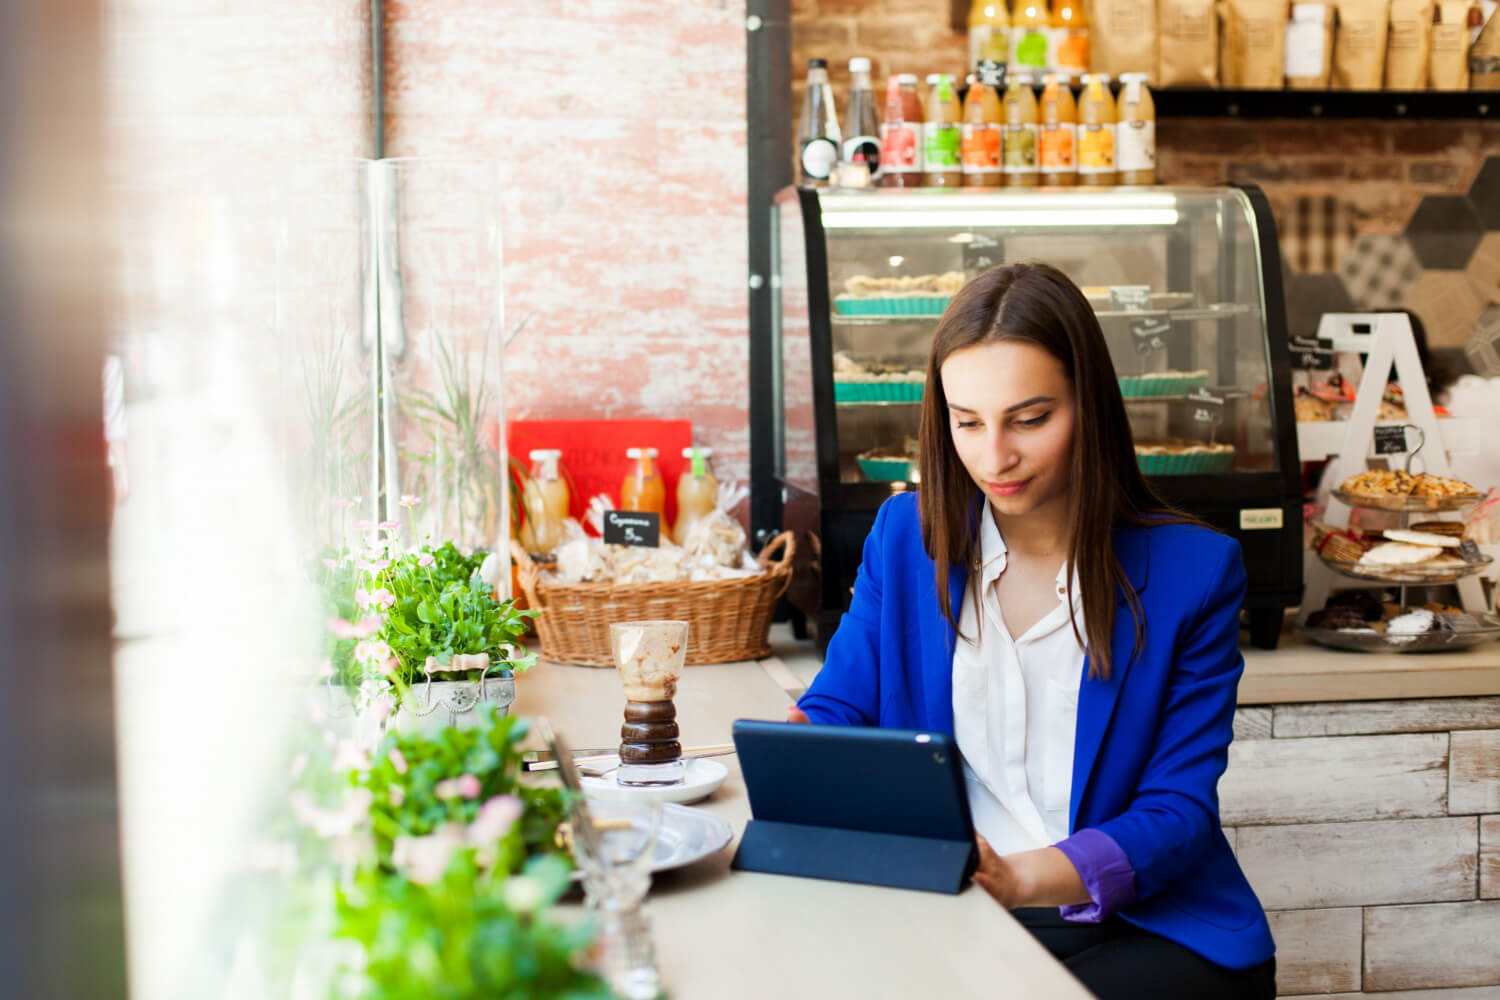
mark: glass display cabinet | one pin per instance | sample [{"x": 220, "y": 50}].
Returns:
[{"x": 1186, "y": 283}]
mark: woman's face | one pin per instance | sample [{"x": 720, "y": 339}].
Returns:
[{"x": 1011, "y": 414}]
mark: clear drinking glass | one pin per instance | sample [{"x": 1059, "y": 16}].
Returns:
[
  {"x": 649, "y": 656},
  {"x": 616, "y": 878}
]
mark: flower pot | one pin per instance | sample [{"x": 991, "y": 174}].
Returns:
[{"x": 433, "y": 705}]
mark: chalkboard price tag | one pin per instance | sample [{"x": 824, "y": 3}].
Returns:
[
  {"x": 1207, "y": 408},
  {"x": 981, "y": 255},
  {"x": 1312, "y": 353},
  {"x": 632, "y": 527},
  {"x": 1150, "y": 333},
  {"x": 1469, "y": 549},
  {"x": 1130, "y": 298},
  {"x": 1390, "y": 440}
]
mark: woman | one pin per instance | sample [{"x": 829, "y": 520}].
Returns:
[{"x": 1078, "y": 638}]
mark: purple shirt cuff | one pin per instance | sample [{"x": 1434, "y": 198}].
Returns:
[{"x": 1106, "y": 874}]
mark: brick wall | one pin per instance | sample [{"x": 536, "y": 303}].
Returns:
[
  {"x": 619, "y": 128},
  {"x": 1343, "y": 192}
]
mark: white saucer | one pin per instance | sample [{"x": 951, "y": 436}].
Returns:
[{"x": 702, "y": 777}]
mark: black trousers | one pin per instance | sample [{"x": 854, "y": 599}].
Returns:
[{"x": 1117, "y": 960}]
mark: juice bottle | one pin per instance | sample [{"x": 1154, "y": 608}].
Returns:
[
  {"x": 1020, "y": 132},
  {"x": 942, "y": 147},
  {"x": 818, "y": 129},
  {"x": 901, "y": 134},
  {"x": 983, "y": 119},
  {"x": 986, "y": 20},
  {"x": 1029, "y": 41},
  {"x": 1059, "y": 133},
  {"x": 697, "y": 492},
  {"x": 642, "y": 488},
  {"x": 1135, "y": 138},
  {"x": 1070, "y": 38},
  {"x": 1096, "y": 132},
  {"x": 545, "y": 499},
  {"x": 861, "y": 120}
]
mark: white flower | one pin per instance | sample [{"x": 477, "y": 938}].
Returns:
[
  {"x": 424, "y": 859},
  {"x": 523, "y": 894},
  {"x": 490, "y": 569}
]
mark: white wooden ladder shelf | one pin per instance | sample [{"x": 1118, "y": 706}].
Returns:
[{"x": 1386, "y": 341}]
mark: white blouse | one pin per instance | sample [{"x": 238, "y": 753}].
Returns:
[{"x": 1015, "y": 709}]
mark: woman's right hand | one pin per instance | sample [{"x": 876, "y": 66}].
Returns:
[{"x": 795, "y": 714}]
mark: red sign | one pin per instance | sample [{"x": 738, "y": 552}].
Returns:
[{"x": 593, "y": 452}]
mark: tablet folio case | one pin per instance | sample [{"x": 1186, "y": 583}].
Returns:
[{"x": 883, "y": 807}]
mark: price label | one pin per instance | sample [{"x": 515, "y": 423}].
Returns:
[
  {"x": 632, "y": 527},
  {"x": 1469, "y": 549},
  {"x": 1130, "y": 298},
  {"x": 1207, "y": 408},
  {"x": 981, "y": 255},
  {"x": 1312, "y": 353},
  {"x": 1458, "y": 622},
  {"x": 1390, "y": 440},
  {"x": 1150, "y": 332}
]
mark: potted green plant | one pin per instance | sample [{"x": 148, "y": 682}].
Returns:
[{"x": 422, "y": 634}]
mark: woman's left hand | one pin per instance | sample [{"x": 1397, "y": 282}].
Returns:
[{"x": 997, "y": 876}]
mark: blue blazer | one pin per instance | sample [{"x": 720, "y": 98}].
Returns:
[{"x": 1151, "y": 742}]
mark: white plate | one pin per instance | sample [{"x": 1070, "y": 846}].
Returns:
[
  {"x": 702, "y": 778},
  {"x": 688, "y": 835}
]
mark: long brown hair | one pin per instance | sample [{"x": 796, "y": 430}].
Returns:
[{"x": 1037, "y": 304}]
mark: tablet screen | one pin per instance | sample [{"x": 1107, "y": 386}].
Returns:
[{"x": 897, "y": 781}]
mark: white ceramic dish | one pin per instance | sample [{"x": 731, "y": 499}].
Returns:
[
  {"x": 702, "y": 779},
  {"x": 687, "y": 835}
]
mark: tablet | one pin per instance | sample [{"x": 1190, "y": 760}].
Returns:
[{"x": 882, "y": 806}]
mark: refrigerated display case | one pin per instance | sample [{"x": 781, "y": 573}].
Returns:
[{"x": 1186, "y": 283}]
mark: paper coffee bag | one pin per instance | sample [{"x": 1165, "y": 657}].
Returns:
[
  {"x": 1309, "y": 46},
  {"x": 1408, "y": 42},
  {"x": 1449, "y": 65},
  {"x": 1188, "y": 45},
  {"x": 1123, "y": 37},
  {"x": 1252, "y": 45},
  {"x": 1359, "y": 44},
  {"x": 1484, "y": 51}
]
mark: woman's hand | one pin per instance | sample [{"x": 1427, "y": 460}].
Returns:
[
  {"x": 1044, "y": 877},
  {"x": 795, "y": 714},
  {"x": 997, "y": 876}
]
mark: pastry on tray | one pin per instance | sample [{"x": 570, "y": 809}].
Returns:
[
  {"x": 864, "y": 285},
  {"x": 1182, "y": 456},
  {"x": 1310, "y": 409},
  {"x": 1395, "y": 484}
]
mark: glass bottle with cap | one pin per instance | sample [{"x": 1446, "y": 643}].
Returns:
[
  {"x": 986, "y": 20},
  {"x": 901, "y": 133},
  {"x": 642, "y": 489},
  {"x": 1058, "y": 141},
  {"x": 1030, "y": 37},
  {"x": 1020, "y": 132},
  {"x": 942, "y": 148},
  {"x": 984, "y": 120},
  {"x": 1096, "y": 132},
  {"x": 861, "y": 119},
  {"x": 545, "y": 501},
  {"x": 697, "y": 492},
  {"x": 818, "y": 135},
  {"x": 1135, "y": 132},
  {"x": 1070, "y": 38}
]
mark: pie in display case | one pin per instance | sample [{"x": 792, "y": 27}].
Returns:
[{"x": 1186, "y": 283}]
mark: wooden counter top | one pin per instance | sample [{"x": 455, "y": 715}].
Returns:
[
  {"x": 1301, "y": 671},
  {"x": 740, "y": 934}
]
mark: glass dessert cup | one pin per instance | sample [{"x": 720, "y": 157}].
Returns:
[{"x": 649, "y": 656}]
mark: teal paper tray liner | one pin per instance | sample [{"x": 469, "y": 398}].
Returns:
[
  {"x": 1145, "y": 386},
  {"x": 886, "y": 470},
  {"x": 877, "y": 392},
  {"x": 1184, "y": 465},
  {"x": 905, "y": 305}
]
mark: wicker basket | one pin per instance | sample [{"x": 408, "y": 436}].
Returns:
[{"x": 727, "y": 619}]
